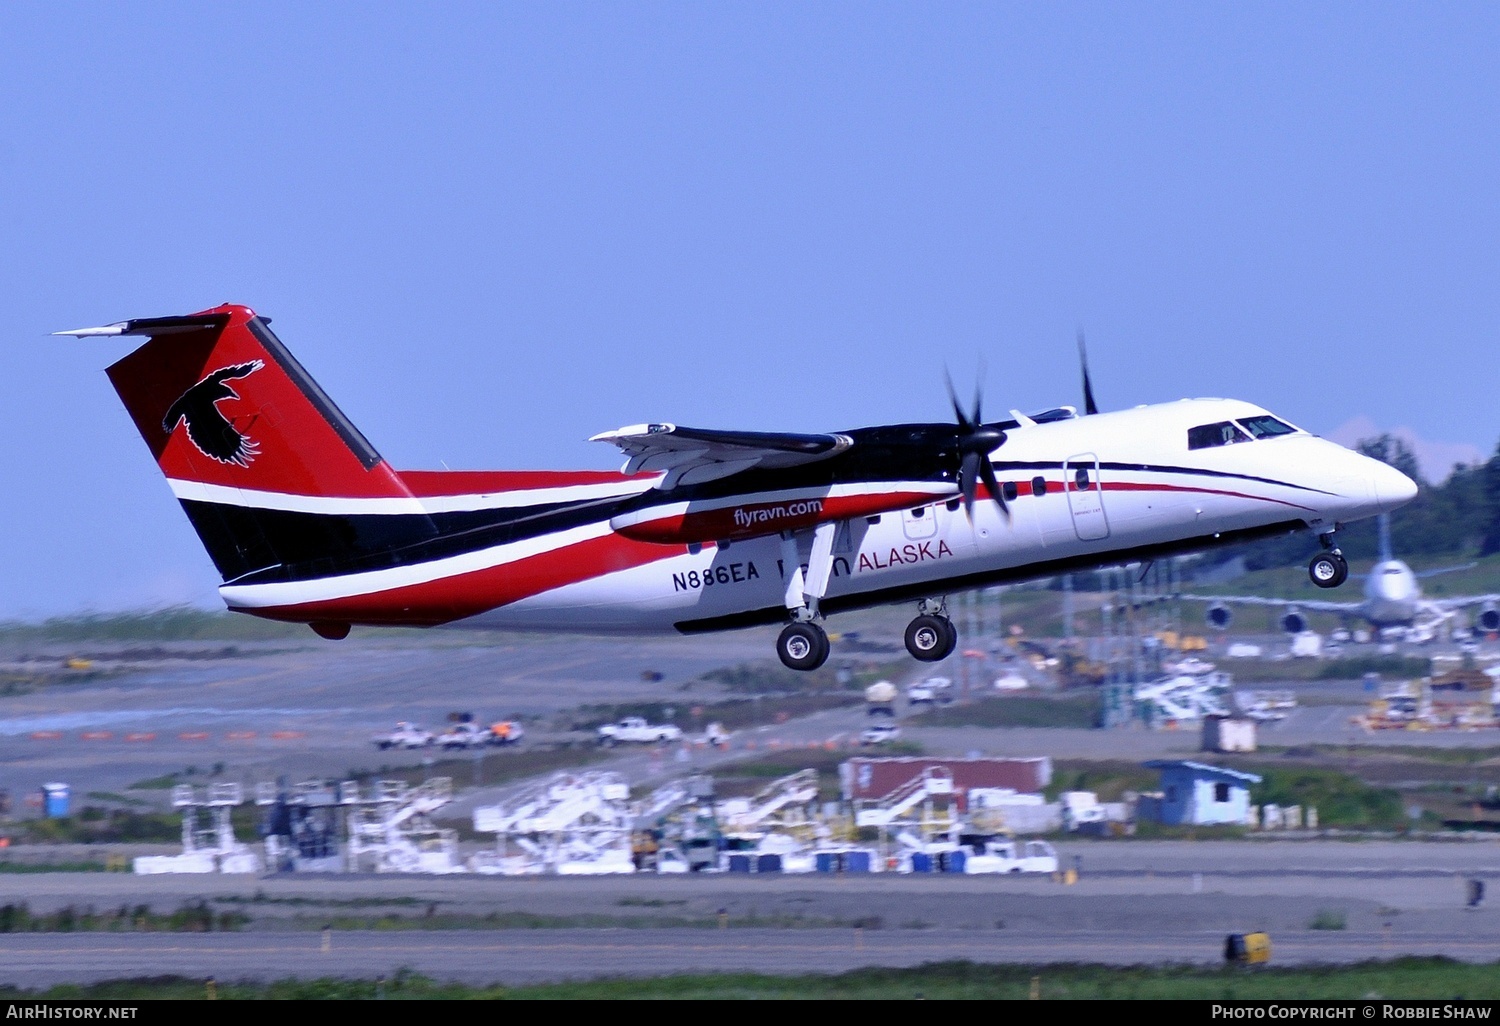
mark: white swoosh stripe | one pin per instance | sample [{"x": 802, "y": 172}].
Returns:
[
  {"x": 290, "y": 593},
  {"x": 198, "y": 491}
]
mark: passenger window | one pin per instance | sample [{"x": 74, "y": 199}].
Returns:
[
  {"x": 1208, "y": 436},
  {"x": 1266, "y": 427},
  {"x": 1009, "y": 490},
  {"x": 1081, "y": 480},
  {"x": 919, "y": 513},
  {"x": 1039, "y": 486}
]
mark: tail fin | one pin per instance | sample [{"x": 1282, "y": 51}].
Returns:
[{"x": 269, "y": 470}]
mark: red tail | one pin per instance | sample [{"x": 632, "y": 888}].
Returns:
[{"x": 221, "y": 402}]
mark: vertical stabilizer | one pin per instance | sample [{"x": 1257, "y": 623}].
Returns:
[{"x": 269, "y": 470}]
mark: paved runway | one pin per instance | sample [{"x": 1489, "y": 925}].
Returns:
[
  {"x": 1138, "y": 901},
  {"x": 531, "y": 956}
]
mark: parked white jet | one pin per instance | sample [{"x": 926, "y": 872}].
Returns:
[{"x": 1392, "y": 598}]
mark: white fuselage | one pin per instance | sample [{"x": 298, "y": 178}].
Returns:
[
  {"x": 1144, "y": 488},
  {"x": 1392, "y": 595}
]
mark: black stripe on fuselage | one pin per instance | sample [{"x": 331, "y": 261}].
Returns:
[
  {"x": 1155, "y": 468},
  {"x": 1010, "y": 575},
  {"x": 253, "y": 545},
  {"x": 250, "y": 545}
]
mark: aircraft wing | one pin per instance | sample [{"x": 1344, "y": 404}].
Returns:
[
  {"x": 694, "y": 456},
  {"x": 1316, "y": 605},
  {"x": 1448, "y": 605}
]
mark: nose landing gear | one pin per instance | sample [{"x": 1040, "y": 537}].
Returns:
[
  {"x": 1329, "y": 568},
  {"x": 931, "y": 636}
]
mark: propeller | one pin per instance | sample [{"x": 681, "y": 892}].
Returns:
[
  {"x": 975, "y": 443},
  {"x": 1089, "y": 406}
]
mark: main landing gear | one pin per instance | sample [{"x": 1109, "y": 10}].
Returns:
[
  {"x": 802, "y": 646},
  {"x": 1329, "y": 568},
  {"x": 931, "y": 636}
]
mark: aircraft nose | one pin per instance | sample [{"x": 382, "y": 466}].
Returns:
[{"x": 1392, "y": 488}]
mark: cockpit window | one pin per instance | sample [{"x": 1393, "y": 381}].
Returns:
[
  {"x": 1207, "y": 436},
  {"x": 1266, "y": 427}
]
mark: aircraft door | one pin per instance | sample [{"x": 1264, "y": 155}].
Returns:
[
  {"x": 1085, "y": 496},
  {"x": 921, "y": 522}
]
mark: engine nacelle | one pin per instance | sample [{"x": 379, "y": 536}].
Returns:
[
  {"x": 1293, "y": 622},
  {"x": 1488, "y": 619},
  {"x": 1219, "y": 616}
]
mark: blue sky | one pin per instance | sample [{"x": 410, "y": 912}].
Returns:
[{"x": 491, "y": 230}]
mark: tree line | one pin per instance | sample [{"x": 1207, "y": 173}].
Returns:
[{"x": 1459, "y": 517}]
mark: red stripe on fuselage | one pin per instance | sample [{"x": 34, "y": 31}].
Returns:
[
  {"x": 750, "y": 517},
  {"x": 1023, "y": 489},
  {"x": 485, "y": 482},
  {"x": 468, "y": 594}
]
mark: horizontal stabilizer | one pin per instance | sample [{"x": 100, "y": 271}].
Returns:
[{"x": 152, "y": 326}]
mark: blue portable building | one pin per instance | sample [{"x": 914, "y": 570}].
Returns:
[{"x": 1197, "y": 793}]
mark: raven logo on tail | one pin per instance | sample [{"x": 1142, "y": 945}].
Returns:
[{"x": 207, "y": 428}]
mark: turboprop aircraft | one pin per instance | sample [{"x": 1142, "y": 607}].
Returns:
[
  {"x": 1392, "y": 598},
  {"x": 702, "y": 530}
]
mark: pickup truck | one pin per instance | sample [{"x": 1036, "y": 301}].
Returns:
[
  {"x": 634, "y": 728},
  {"x": 406, "y": 735},
  {"x": 472, "y": 735},
  {"x": 466, "y": 735}
]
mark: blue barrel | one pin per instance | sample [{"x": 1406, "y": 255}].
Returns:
[
  {"x": 55, "y": 800},
  {"x": 921, "y": 862},
  {"x": 768, "y": 864},
  {"x": 956, "y": 862},
  {"x": 827, "y": 862},
  {"x": 857, "y": 861},
  {"x": 739, "y": 863}
]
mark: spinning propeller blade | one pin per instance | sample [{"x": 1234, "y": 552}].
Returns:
[{"x": 975, "y": 443}]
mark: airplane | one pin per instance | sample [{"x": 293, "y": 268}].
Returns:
[
  {"x": 702, "y": 530},
  {"x": 1392, "y": 598}
]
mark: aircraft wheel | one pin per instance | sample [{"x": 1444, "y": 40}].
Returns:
[
  {"x": 931, "y": 638},
  {"x": 1328, "y": 570},
  {"x": 952, "y": 642},
  {"x": 802, "y": 646}
]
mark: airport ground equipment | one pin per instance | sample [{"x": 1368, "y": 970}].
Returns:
[
  {"x": 1415, "y": 705},
  {"x": 391, "y": 830},
  {"x": 880, "y": 699},
  {"x": 466, "y": 735},
  {"x": 1265, "y": 705},
  {"x": 784, "y": 803},
  {"x": 404, "y": 735},
  {"x": 1247, "y": 948},
  {"x": 926, "y": 805},
  {"x": 1183, "y": 698},
  {"x": 304, "y": 824},
  {"x": 636, "y": 730},
  {"x": 205, "y": 849},
  {"x": 571, "y": 824}
]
